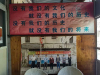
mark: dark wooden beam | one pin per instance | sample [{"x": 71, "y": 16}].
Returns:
[
  {"x": 51, "y": 49},
  {"x": 53, "y": 35},
  {"x": 98, "y": 48}
]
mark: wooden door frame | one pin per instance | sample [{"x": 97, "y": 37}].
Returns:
[{"x": 15, "y": 43}]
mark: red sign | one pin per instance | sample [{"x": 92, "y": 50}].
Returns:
[
  {"x": 53, "y": 52},
  {"x": 0, "y": 32},
  {"x": 51, "y": 18}
]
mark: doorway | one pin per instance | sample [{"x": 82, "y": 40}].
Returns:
[
  {"x": 85, "y": 49},
  {"x": 50, "y": 46},
  {"x": 86, "y": 54}
]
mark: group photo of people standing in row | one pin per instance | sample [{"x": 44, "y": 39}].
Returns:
[{"x": 51, "y": 61}]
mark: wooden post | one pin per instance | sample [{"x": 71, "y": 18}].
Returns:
[
  {"x": 86, "y": 54},
  {"x": 15, "y": 54}
]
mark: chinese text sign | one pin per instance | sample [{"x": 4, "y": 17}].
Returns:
[{"x": 51, "y": 18}]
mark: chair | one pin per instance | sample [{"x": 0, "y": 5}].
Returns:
[
  {"x": 70, "y": 71},
  {"x": 35, "y": 71}
]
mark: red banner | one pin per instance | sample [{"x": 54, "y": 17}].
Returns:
[
  {"x": 51, "y": 18},
  {"x": 53, "y": 52}
]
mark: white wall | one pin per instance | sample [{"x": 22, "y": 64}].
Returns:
[
  {"x": 58, "y": 39},
  {"x": 1, "y": 39},
  {"x": 88, "y": 1},
  {"x": 22, "y": 40},
  {"x": 34, "y": 39},
  {"x": 73, "y": 53},
  {"x": 74, "y": 39},
  {"x": 48, "y": 39},
  {"x": 24, "y": 57},
  {"x": 3, "y": 61},
  {"x": 61, "y": 40}
]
